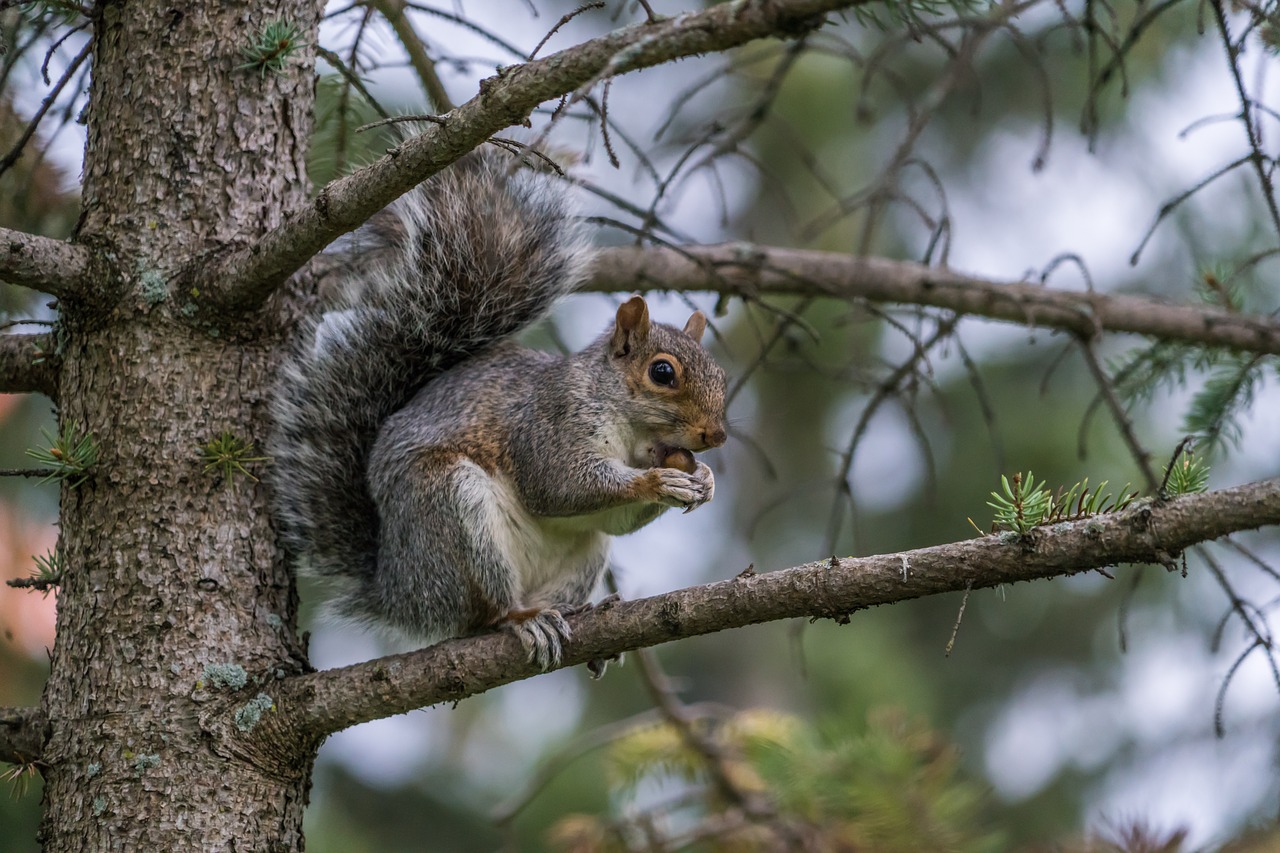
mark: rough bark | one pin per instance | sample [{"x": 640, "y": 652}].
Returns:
[
  {"x": 42, "y": 263},
  {"x": 29, "y": 363},
  {"x": 171, "y": 570},
  {"x": 752, "y": 271},
  {"x": 22, "y": 733}
]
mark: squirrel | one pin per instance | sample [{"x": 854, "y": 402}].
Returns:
[{"x": 447, "y": 480}]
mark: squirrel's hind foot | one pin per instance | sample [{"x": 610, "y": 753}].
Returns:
[{"x": 542, "y": 633}]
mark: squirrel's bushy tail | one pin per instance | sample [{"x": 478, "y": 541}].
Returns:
[{"x": 466, "y": 259}]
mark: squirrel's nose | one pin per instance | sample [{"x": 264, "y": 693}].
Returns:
[{"x": 713, "y": 437}]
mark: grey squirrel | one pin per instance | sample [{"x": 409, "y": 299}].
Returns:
[{"x": 447, "y": 480}]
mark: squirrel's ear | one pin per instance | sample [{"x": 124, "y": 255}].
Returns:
[
  {"x": 696, "y": 326},
  {"x": 632, "y": 328}
]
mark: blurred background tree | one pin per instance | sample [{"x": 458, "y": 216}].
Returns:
[{"x": 1117, "y": 148}]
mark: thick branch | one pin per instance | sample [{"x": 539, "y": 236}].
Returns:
[
  {"x": 22, "y": 733},
  {"x": 751, "y": 270},
  {"x": 28, "y": 364},
  {"x": 245, "y": 278},
  {"x": 309, "y": 707},
  {"x": 42, "y": 263}
]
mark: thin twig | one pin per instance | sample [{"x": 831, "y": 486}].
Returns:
[
  {"x": 38, "y": 584},
  {"x": 755, "y": 805},
  {"x": 352, "y": 78},
  {"x": 1124, "y": 424},
  {"x": 883, "y": 392},
  {"x": 955, "y": 629},
  {"x": 402, "y": 119},
  {"x": 564, "y": 19},
  {"x": 1256, "y": 157},
  {"x": 470, "y": 25},
  {"x": 1220, "y": 700},
  {"x": 648, "y": 10},
  {"x": 28, "y": 472},
  {"x": 48, "y": 57},
  {"x": 1173, "y": 460},
  {"x": 423, "y": 65},
  {"x": 15, "y": 152},
  {"x": 601, "y": 736},
  {"x": 1173, "y": 203}
]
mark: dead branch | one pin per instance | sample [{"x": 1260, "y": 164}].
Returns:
[
  {"x": 21, "y": 735},
  {"x": 42, "y": 263},
  {"x": 243, "y": 279},
  {"x": 752, "y": 271},
  {"x": 28, "y": 364}
]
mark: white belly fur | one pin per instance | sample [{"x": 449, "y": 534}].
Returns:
[{"x": 542, "y": 551}]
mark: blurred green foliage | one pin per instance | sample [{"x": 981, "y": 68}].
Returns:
[{"x": 891, "y": 788}]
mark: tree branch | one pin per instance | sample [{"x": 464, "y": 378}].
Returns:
[
  {"x": 309, "y": 707},
  {"x": 42, "y": 263},
  {"x": 423, "y": 65},
  {"x": 751, "y": 271},
  {"x": 21, "y": 735},
  {"x": 243, "y": 279},
  {"x": 28, "y": 364}
]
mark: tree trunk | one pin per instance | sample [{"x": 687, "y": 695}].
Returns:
[{"x": 173, "y": 590}]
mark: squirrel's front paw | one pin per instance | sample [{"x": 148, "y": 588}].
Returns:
[
  {"x": 542, "y": 634},
  {"x": 676, "y": 488}
]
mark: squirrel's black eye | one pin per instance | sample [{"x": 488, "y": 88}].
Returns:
[{"x": 662, "y": 373}]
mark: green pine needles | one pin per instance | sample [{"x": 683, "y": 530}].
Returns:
[
  {"x": 272, "y": 47},
  {"x": 48, "y": 571},
  {"x": 1025, "y": 503},
  {"x": 69, "y": 456},
  {"x": 1229, "y": 381},
  {"x": 1185, "y": 475},
  {"x": 46, "y": 576},
  {"x": 228, "y": 454},
  {"x": 894, "y": 786}
]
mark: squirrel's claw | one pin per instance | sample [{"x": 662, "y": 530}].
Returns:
[
  {"x": 598, "y": 666},
  {"x": 542, "y": 637},
  {"x": 689, "y": 491}
]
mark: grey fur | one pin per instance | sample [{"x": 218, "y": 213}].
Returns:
[
  {"x": 474, "y": 255},
  {"x": 446, "y": 479}
]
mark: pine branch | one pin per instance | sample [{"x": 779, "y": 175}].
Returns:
[
  {"x": 749, "y": 270},
  {"x": 28, "y": 363},
  {"x": 21, "y": 735},
  {"x": 243, "y": 279},
  {"x": 422, "y": 63},
  {"x": 42, "y": 263},
  {"x": 307, "y": 708}
]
